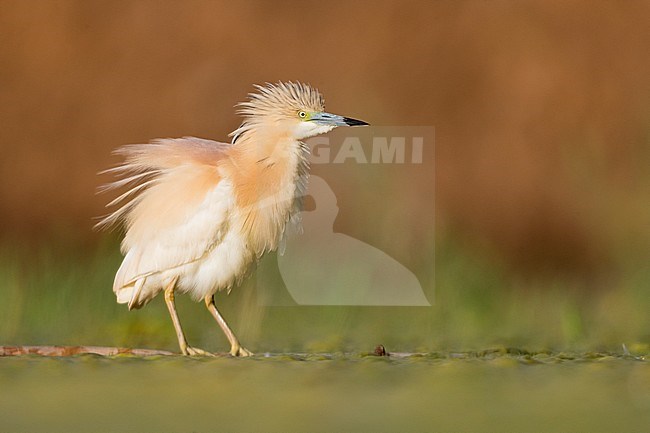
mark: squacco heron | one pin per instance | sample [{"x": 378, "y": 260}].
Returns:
[{"x": 199, "y": 213}]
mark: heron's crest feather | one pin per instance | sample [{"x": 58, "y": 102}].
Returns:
[{"x": 279, "y": 101}]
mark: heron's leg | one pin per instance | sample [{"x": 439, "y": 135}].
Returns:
[
  {"x": 235, "y": 348},
  {"x": 182, "y": 342}
]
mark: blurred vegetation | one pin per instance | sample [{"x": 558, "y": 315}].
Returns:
[{"x": 55, "y": 296}]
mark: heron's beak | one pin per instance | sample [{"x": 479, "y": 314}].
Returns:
[{"x": 335, "y": 120}]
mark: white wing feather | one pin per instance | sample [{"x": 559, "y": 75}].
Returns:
[{"x": 175, "y": 212}]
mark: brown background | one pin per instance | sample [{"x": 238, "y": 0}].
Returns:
[{"x": 541, "y": 109}]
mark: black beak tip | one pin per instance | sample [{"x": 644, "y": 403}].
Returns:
[{"x": 354, "y": 122}]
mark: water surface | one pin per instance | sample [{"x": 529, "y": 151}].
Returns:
[{"x": 501, "y": 390}]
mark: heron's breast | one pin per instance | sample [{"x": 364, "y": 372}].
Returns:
[{"x": 265, "y": 193}]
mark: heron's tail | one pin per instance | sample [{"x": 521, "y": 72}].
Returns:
[{"x": 129, "y": 284}]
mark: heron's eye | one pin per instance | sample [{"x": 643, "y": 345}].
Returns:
[{"x": 302, "y": 114}]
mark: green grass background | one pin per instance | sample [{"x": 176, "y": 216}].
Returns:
[
  {"x": 494, "y": 358},
  {"x": 55, "y": 295}
]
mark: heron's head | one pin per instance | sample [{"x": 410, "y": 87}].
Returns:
[{"x": 295, "y": 108}]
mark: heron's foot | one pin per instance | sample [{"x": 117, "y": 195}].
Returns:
[
  {"x": 195, "y": 351},
  {"x": 240, "y": 351}
]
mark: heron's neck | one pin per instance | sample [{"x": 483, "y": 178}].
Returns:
[
  {"x": 268, "y": 173},
  {"x": 268, "y": 158}
]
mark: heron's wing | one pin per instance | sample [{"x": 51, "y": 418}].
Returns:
[
  {"x": 146, "y": 165},
  {"x": 174, "y": 212}
]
